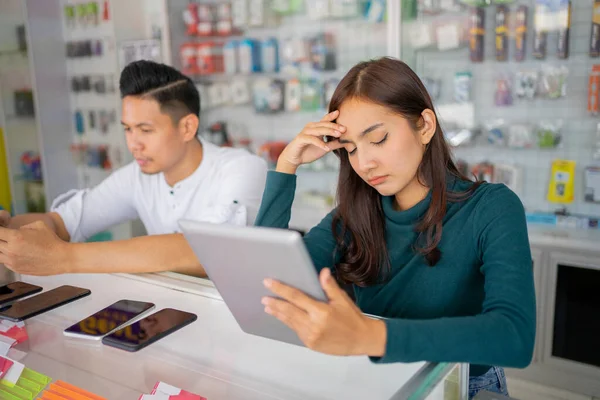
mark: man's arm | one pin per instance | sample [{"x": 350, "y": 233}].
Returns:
[
  {"x": 51, "y": 219},
  {"x": 154, "y": 253},
  {"x": 36, "y": 250},
  {"x": 84, "y": 213}
]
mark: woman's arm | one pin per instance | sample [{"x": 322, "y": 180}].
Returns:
[
  {"x": 276, "y": 210},
  {"x": 503, "y": 334}
]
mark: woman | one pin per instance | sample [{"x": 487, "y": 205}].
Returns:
[{"x": 445, "y": 260}]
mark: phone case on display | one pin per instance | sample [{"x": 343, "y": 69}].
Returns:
[
  {"x": 224, "y": 93},
  {"x": 69, "y": 13},
  {"x": 375, "y": 12},
  {"x": 501, "y": 33},
  {"x": 209, "y": 58},
  {"x": 79, "y": 123},
  {"x": 564, "y": 28},
  {"x": 239, "y": 14},
  {"x": 594, "y": 90},
  {"x": 191, "y": 20},
  {"x": 188, "y": 57},
  {"x": 462, "y": 87},
  {"x": 323, "y": 55},
  {"x": 477, "y": 34},
  {"x": 249, "y": 56},
  {"x": 106, "y": 10},
  {"x": 224, "y": 26},
  {"x": 293, "y": 95},
  {"x": 270, "y": 55},
  {"x": 93, "y": 13},
  {"x": 510, "y": 175},
  {"x": 526, "y": 84},
  {"x": 311, "y": 95},
  {"x": 503, "y": 96},
  {"x": 562, "y": 182},
  {"x": 206, "y": 19},
  {"x": 268, "y": 95},
  {"x": 92, "y": 119},
  {"x": 595, "y": 35},
  {"x": 521, "y": 33},
  {"x": 542, "y": 24},
  {"x": 483, "y": 172},
  {"x": 240, "y": 93},
  {"x": 230, "y": 57}
]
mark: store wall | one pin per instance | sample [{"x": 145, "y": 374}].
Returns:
[
  {"x": 20, "y": 131},
  {"x": 356, "y": 38},
  {"x": 48, "y": 60},
  {"x": 578, "y": 130}
]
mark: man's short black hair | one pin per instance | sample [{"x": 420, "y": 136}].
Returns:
[{"x": 175, "y": 93}]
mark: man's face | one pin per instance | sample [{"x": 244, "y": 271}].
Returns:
[{"x": 153, "y": 138}]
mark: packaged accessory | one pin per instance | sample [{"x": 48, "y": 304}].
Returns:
[
  {"x": 501, "y": 33},
  {"x": 521, "y": 33},
  {"x": 477, "y": 34},
  {"x": 564, "y": 27},
  {"x": 595, "y": 35},
  {"x": 462, "y": 87},
  {"x": 503, "y": 96}
]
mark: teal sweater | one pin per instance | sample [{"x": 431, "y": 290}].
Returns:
[{"x": 477, "y": 305}]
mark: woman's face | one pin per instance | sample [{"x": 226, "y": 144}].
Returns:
[{"x": 383, "y": 148}]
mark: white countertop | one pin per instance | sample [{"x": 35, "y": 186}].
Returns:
[
  {"x": 211, "y": 357},
  {"x": 571, "y": 239}
]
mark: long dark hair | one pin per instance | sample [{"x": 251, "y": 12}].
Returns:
[{"x": 359, "y": 222}]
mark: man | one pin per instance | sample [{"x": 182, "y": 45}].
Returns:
[{"x": 175, "y": 176}]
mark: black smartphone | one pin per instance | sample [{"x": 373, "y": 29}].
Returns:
[
  {"x": 40, "y": 303},
  {"x": 17, "y": 290},
  {"x": 148, "y": 330},
  {"x": 108, "y": 319}
]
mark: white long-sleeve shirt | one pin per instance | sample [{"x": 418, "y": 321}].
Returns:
[{"x": 227, "y": 187}]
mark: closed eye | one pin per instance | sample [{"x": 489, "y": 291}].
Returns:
[{"x": 382, "y": 141}]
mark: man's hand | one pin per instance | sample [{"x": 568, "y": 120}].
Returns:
[
  {"x": 4, "y": 218},
  {"x": 33, "y": 249}
]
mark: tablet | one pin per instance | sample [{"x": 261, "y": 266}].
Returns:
[{"x": 238, "y": 259}]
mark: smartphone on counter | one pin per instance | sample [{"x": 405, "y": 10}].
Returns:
[
  {"x": 40, "y": 303},
  {"x": 17, "y": 290},
  {"x": 148, "y": 330},
  {"x": 108, "y": 320}
]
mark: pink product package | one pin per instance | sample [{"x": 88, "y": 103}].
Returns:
[{"x": 164, "y": 391}]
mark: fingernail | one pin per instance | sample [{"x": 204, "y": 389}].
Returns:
[
  {"x": 264, "y": 300},
  {"x": 268, "y": 310},
  {"x": 342, "y": 128},
  {"x": 267, "y": 282},
  {"x": 338, "y": 133}
]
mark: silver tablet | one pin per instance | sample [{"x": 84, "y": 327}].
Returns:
[{"x": 238, "y": 259}]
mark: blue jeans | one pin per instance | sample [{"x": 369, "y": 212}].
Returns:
[{"x": 493, "y": 381}]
